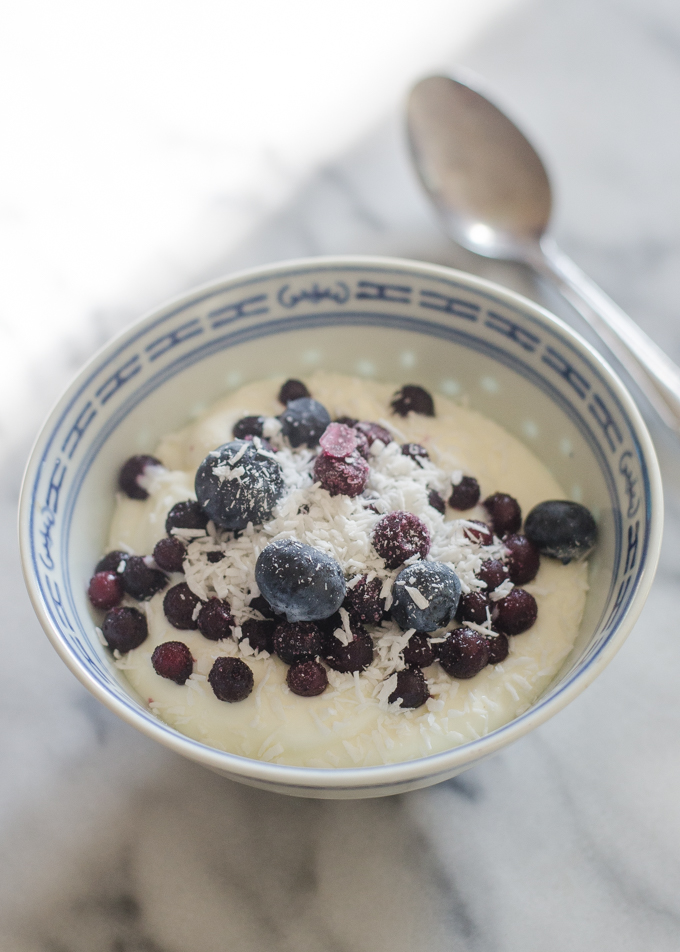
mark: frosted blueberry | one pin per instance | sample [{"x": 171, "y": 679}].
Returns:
[
  {"x": 303, "y": 422},
  {"x": 426, "y": 596},
  {"x": 239, "y": 483},
  {"x": 298, "y": 581},
  {"x": 562, "y": 529}
]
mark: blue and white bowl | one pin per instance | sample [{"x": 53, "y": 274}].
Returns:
[{"x": 392, "y": 320}]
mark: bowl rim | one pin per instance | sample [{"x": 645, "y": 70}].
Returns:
[{"x": 405, "y": 773}]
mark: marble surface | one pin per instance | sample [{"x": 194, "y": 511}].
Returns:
[{"x": 568, "y": 841}]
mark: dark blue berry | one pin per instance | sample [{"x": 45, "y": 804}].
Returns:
[
  {"x": 169, "y": 554},
  {"x": 464, "y": 653},
  {"x": 523, "y": 559},
  {"x": 214, "y": 557},
  {"x": 419, "y": 652},
  {"x": 346, "y": 421},
  {"x": 516, "y": 612},
  {"x": 562, "y": 529},
  {"x": 499, "y": 648},
  {"x": 434, "y": 582},
  {"x": 494, "y": 573},
  {"x": 124, "y": 629},
  {"x": 292, "y": 390},
  {"x": 141, "y": 581},
  {"x": 436, "y": 501},
  {"x": 186, "y": 515},
  {"x": 478, "y": 532},
  {"x": 373, "y": 432},
  {"x": 179, "y": 606},
  {"x": 304, "y": 421},
  {"x": 172, "y": 660},
  {"x": 261, "y": 605},
  {"x": 297, "y": 641},
  {"x": 505, "y": 513},
  {"x": 298, "y": 581},
  {"x": 473, "y": 607},
  {"x": 412, "y": 398},
  {"x": 248, "y": 426},
  {"x": 231, "y": 679},
  {"x": 364, "y": 603},
  {"x": 465, "y": 494},
  {"x": 215, "y": 620},
  {"x": 111, "y": 562},
  {"x": 260, "y": 633},
  {"x": 307, "y": 678},
  {"x": 414, "y": 451},
  {"x": 105, "y": 590},
  {"x": 356, "y": 656},
  {"x": 131, "y": 473},
  {"x": 239, "y": 483},
  {"x": 411, "y": 688},
  {"x": 399, "y": 536}
]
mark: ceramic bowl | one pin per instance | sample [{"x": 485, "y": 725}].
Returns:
[{"x": 392, "y": 320}]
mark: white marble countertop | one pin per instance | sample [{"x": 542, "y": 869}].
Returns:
[{"x": 570, "y": 840}]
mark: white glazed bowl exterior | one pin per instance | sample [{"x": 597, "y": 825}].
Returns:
[{"x": 393, "y": 320}]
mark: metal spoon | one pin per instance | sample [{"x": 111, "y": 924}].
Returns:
[{"x": 493, "y": 194}]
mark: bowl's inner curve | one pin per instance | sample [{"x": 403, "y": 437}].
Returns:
[{"x": 385, "y": 323}]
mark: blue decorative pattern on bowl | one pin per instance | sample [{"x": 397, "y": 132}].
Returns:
[{"x": 398, "y": 321}]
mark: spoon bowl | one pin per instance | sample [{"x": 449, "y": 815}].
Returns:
[{"x": 493, "y": 194}]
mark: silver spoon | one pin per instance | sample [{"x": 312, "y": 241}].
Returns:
[{"x": 493, "y": 194}]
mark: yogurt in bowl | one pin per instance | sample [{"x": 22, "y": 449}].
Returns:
[{"x": 555, "y": 423}]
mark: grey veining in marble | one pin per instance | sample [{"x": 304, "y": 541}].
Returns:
[{"x": 568, "y": 841}]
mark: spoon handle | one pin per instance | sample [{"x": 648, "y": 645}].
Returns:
[{"x": 656, "y": 375}]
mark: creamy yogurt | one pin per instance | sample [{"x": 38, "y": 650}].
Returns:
[{"x": 351, "y": 723}]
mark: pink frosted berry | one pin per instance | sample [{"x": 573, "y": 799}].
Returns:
[
  {"x": 338, "y": 440},
  {"x": 341, "y": 477},
  {"x": 400, "y": 535}
]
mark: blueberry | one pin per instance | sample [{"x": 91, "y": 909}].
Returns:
[
  {"x": 248, "y": 426},
  {"x": 304, "y": 421},
  {"x": 505, "y": 513},
  {"x": 179, "y": 606},
  {"x": 516, "y": 612},
  {"x": 186, "y": 515},
  {"x": 472, "y": 607},
  {"x": 437, "y": 589},
  {"x": 436, "y": 501},
  {"x": 364, "y": 603},
  {"x": 292, "y": 390},
  {"x": 260, "y": 633},
  {"x": 297, "y": 641},
  {"x": 373, "y": 432},
  {"x": 261, "y": 605},
  {"x": 465, "y": 494},
  {"x": 105, "y": 589},
  {"x": 356, "y": 656},
  {"x": 346, "y": 421},
  {"x": 415, "y": 451},
  {"x": 111, "y": 561},
  {"x": 307, "y": 678},
  {"x": 412, "y": 398},
  {"x": 215, "y": 620},
  {"x": 124, "y": 629},
  {"x": 411, "y": 688},
  {"x": 464, "y": 653},
  {"x": 132, "y": 473},
  {"x": 562, "y": 529},
  {"x": 494, "y": 573},
  {"x": 231, "y": 679},
  {"x": 172, "y": 660},
  {"x": 239, "y": 483},
  {"x": 478, "y": 532},
  {"x": 419, "y": 652},
  {"x": 141, "y": 581},
  {"x": 298, "y": 581},
  {"x": 169, "y": 554},
  {"x": 523, "y": 559},
  {"x": 400, "y": 535},
  {"x": 499, "y": 648}
]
